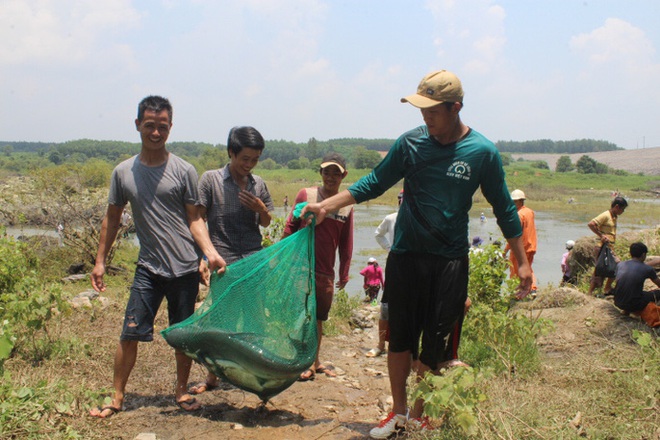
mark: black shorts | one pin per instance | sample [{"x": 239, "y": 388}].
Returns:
[{"x": 426, "y": 297}]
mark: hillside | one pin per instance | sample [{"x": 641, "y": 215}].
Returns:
[{"x": 646, "y": 160}]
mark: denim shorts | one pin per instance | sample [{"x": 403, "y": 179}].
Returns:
[{"x": 147, "y": 293}]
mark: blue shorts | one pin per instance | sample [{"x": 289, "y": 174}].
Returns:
[
  {"x": 147, "y": 293},
  {"x": 426, "y": 298}
]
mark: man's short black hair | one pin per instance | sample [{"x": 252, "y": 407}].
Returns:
[
  {"x": 244, "y": 137},
  {"x": 619, "y": 201},
  {"x": 638, "y": 249},
  {"x": 155, "y": 104}
]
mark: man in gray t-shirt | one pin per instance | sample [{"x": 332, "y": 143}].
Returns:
[{"x": 162, "y": 191}]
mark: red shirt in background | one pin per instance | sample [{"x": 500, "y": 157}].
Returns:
[{"x": 334, "y": 233}]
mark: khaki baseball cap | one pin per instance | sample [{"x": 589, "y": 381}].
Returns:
[{"x": 435, "y": 88}]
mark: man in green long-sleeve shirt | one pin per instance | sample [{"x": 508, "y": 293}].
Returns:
[{"x": 443, "y": 163}]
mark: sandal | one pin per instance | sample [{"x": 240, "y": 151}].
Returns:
[
  {"x": 452, "y": 363},
  {"x": 374, "y": 352},
  {"x": 191, "y": 404},
  {"x": 306, "y": 375},
  {"x": 328, "y": 371},
  {"x": 99, "y": 411},
  {"x": 202, "y": 388}
]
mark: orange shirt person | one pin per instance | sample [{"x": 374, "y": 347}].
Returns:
[{"x": 528, "y": 237}]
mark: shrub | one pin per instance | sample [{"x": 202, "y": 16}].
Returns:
[
  {"x": 453, "y": 397},
  {"x": 340, "y": 313},
  {"x": 564, "y": 164},
  {"x": 273, "y": 233},
  {"x": 27, "y": 304},
  {"x": 488, "y": 270}
]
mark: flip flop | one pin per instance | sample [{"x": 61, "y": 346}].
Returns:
[
  {"x": 306, "y": 375},
  {"x": 187, "y": 404},
  {"x": 374, "y": 352},
  {"x": 113, "y": 410},
  {"x": 322, "y": 369},
  {"x": 453, "y": 363},
  {"x": 202, "y": 388}
]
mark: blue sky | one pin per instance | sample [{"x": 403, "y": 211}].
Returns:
[{"x": 296, "y": 69}]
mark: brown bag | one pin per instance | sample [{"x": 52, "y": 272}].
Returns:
[{"x": 651, "y": 315}]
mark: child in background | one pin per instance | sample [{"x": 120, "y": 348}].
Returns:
[
  {"x": 567, "y": 278},
  {"x": 373, "y": 279}
]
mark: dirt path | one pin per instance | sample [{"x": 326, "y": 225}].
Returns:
[
  {"x": 345, "y": 407},
  {"x": 341, "y": 408}
]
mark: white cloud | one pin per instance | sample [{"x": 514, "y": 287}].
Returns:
[
  {"x": 615, "y": 42},
  {"x": 471, "y": 34},
  {"x": 62, "y": 32},
  {"x": 618, "y": 60}
]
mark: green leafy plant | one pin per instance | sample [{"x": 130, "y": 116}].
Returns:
[
  {"x": 453, "y": 396},
  {"x": 27, "y": 305},
  {"x": 505, "y": 342},
  {"x": 340, "y": 313},
  {"x": 273, "y": 233},
  {"x": 23, "y": 409},
  {"x": 488, "y": 271}
]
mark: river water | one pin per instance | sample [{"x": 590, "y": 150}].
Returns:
[{"x": 553, "y": 231}]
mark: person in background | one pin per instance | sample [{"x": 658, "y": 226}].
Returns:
[
  {"x": 60, "y": 234},
  {"x": 604, "y": 226},
  {"x": 384, "y": 235},
  {"x": 629, "y": 294},
  {"x": 162, "y": 191},
  {"x": 373, "y": 280},
  {"x": 286, "y": 204},
  {"x": 331, "y": 236},
  {"x": 235, "y": 203},
  {"x": 125, "y": 220},
  {"x": 567, "y": 277},
  {"x": 476, "y": 244},
  {"x": 529, "y": 240},
  {"x": 443, "y": 163}
]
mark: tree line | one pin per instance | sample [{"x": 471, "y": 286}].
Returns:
[
  {"x": 555, "y": 147},
  {"x": 360, "y": 152}
]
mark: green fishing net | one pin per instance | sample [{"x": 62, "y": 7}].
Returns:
[{"x": 257, "y": 327}]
